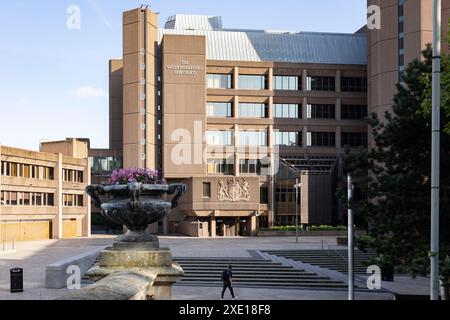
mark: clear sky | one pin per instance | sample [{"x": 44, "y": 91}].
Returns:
[{"x": 54, "y": 81}]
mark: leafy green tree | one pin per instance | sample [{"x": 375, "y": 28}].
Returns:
[{"x": 394, "y": 174}]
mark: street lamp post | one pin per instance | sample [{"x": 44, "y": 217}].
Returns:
[
  {"x": 435, "y": 153},
  {"x": 296, "y": 186},
  {"x": 351, "y": 275}
]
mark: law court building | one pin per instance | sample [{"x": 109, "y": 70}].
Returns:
[{"x": 238, "y": 116}]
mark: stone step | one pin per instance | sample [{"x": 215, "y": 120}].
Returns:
[
  {"x": 258, "y": 277},
  {"x": 225, "y": 266},
  {"x": 264, "y": 280},
  {"x": 250, "y": 272},
  {"x": 267, "y": 284}
]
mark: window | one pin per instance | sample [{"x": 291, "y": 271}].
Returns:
[
  {"x": 353, "y": 112},
  {"x": 251, "y": 166},
  {"x": 252, "y": 138},
  {"x": 264, "y": 195},
  {"x": 73, "y": 200},
  {"x": 252, "y": 82},
  {"x": 252, "y": 110},
  {"x": 219, "y": 81},
  {"x": 321, "y": 111},
  {"x": 354, "y": 139},
  {"x": 288, "y": 139},
  {"x": 352, "y": 84},
  {"x": 219, "y": 138},
  {"x": 321, "y": 83},
  {"x": 290, "y": 111},
  {"x": 72, "y": 175},
  {"x": 321, "y": 139},
  {"x": 286, "y": 195},
  {"x": 206, "y": 190},
  {"x": 103, "y": 166},
  {"x": 219, "y": 109},
  {"x": 286, "y": 83},
  {"x": 220, "y": 166}
]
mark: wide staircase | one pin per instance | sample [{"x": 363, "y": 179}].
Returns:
[
  {"x": 251, "y": 273},
  {"x": 330, "y": 259}
]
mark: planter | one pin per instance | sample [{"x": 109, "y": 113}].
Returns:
[{"x": 136, "y": 206}]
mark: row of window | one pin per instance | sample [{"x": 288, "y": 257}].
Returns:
[
  {"x": 226, "y": 166},
  {"x": 13, "y": 169},
  {"x": 72, "y": 175},
  {"x": 286, "y": 195},
  {"x": 286, "y": 138},
  {"x": 287, "y": 111},
  {"x": 14, "y": 198},
  {"x": 290, "y": 83}
]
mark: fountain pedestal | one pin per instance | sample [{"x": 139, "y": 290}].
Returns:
[
  {"x": 144, "y": 257},
  {"x": 137, "y": 205}
]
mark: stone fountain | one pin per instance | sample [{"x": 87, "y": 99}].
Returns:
[{"x": 137, "y": 205}]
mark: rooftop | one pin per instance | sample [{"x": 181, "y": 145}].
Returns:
[{"x": 269, "y": 45}]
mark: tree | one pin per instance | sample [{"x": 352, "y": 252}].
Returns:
[{"x": 395, "y": 174}]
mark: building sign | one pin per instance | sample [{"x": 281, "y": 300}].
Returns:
[
  {"x": 233, "y": 190},
  {"x": 185, "y": 69}
]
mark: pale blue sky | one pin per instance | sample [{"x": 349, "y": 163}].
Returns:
[{"x": 54, "y": 81}]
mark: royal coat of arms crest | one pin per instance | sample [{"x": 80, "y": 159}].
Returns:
[{"x": 233, "y": 190}]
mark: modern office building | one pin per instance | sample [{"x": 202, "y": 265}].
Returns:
[
  {"x": 237, "y": 115},
  {"x": 42, "y": 193},
  {"x": 406, "y": 28}
]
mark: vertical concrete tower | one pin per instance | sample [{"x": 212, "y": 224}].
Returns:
[
  {"x": 140, "y": 93},
  {"x": 406, "y": 28}
]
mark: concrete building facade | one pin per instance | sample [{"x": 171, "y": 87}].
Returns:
[
  {"x": 237, "y": 115},
  {"x": 42, "y": 193},
  {"x": 406, "y": 29}
]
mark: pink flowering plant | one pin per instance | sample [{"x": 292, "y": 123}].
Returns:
[{"x": 125, "y": 176}]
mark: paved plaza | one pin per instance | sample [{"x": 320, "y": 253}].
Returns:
[{"x": 34, "y": 256}]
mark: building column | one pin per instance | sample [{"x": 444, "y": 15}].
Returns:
[
  {"x": 338, "y": 138},
  {"x": 57, "y": 223},
  {"x": 338, "y": 109},
  {"x": 305, "y": 109},
  {"x": 305, "y": 136},
  {"x": 270, "y": 108},
  {"x": 86, "y": 225},
  {"x": 270, "y": 80},
  {"x": 235, "y": 107},
  {"x": 338, "y": 81},
  {"x": 212, "y": 223},
  {"x": 236, "y": 78},
  {"x": 252, "y": 228},
  {"x": 305, "y": 80}
]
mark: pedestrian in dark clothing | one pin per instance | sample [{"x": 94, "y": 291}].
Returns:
[{"x": 227, "y": 278}]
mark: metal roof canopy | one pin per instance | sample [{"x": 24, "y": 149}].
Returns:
[{"x": 272, "y": 46}]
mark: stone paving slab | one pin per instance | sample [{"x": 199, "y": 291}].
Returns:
[
  {"x": 34, "y": 256},
  {"x": 213, "y": 293}
]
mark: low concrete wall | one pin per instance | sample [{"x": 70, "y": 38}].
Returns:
[
  {"x": 126, "y": 285},
  {"x": 56, "y": 273},
  {"x": 308, "y": 233}
]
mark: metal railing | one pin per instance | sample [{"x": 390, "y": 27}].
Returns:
[{"x": 4, "y": 245}]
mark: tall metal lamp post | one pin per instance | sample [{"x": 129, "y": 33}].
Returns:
[
  {"x": 435, "y": 152},
  {"x": 351, "y": 274},
  {"x": 297, "y": 186}
]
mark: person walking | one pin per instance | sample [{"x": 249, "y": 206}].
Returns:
[{"x": 227, "y": 278}]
